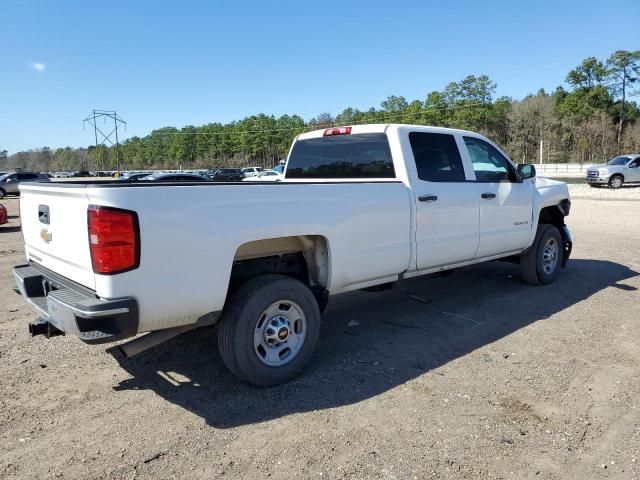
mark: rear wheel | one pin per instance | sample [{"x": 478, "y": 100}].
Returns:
[
  {"x": 616, "y": 181},
  {"x": 540, "y": 265},
  {"x": 269, "y": 330}
]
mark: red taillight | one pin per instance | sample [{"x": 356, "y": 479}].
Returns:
[
  {"x": 114, "y": 239},
  {"x": 337, "y": 131}
]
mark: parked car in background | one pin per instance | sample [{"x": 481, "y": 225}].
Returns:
[
  {"x": 227, "y": 175},
  {"x": 251, "y": 171},
  {"x": 81, "y": 174},
  {"x": 266, "y": 176},
  {"x": 134, "y": 177},
  {"x": 9, "y": 182},
  {"x": 173, "y": 177},
  {"x": 616, "y": 172},
  {"x": 279, "y": 168},
  {"x": 3, "y": 215}
]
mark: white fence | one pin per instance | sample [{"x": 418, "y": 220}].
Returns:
[{"x": 562, "y": 167}]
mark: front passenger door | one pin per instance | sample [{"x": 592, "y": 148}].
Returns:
[
  {"x": 633, "y": 173},
  {"x": 505, "y": 201}
]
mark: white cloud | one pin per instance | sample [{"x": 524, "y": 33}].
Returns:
[{"x": 37, "y": 66}]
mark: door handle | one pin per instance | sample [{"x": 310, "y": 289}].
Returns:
[
  {"x": 428, "y": 198},
  {"x": 488, "y": 195}
]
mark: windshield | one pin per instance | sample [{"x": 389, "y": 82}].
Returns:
[
  {"x": 618, "y": 161},
  {"x": 6, "y": 175}
]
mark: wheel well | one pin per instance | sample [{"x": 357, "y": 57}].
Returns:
[
  {"x": 304, "y": 257},
  {"x": 555, "y": 214}
]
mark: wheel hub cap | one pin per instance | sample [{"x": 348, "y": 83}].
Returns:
[
  {"x": 277, "y": 330},
  {"x": 280, "y": 333},
  {"x": 550, "y": 256}
]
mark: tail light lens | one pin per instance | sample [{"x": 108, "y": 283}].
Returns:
[{"x": 114, "y": 239}]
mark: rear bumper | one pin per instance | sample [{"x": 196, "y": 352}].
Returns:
[{"x": 73, "y": 309}]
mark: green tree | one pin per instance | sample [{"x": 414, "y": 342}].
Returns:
[
  {"x": 588, "y": 74},
  {"x": 624, "y": 71}
]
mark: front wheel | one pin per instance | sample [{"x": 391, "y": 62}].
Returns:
[
  {"x": 616, "y": 181},
  {"x": 540, "y": 265},
  {"x": 269, "y": 330},
  {"x": 2, "y": 193}
]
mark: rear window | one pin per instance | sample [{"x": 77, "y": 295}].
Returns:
[
  {"x": 437, "y": 157},
  {"x": 364, "y": 155}
]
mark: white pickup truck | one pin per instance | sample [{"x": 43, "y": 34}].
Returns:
[{"x": 360, "y": 207}]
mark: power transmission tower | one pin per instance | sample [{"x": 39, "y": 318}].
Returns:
[{"x": 106, "y": 116}]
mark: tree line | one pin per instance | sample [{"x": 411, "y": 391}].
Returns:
[{"x": 590, "y": 119}]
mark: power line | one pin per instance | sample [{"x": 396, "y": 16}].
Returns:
[{"x": 379, "y": 115}]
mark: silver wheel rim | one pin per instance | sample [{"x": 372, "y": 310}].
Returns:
[
  {"x": 550, "y": 255},
  {"x": 616, "y": 182},
  {"x": 280, "y": 333}
]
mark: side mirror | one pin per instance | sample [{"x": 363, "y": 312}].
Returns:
[
  {"x": 8, "y": 180},
  {"x": 526, "y": 170},
  {"x": 633, "y": 165}
]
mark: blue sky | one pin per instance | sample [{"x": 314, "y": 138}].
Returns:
[{"x": 176, "y": 63}]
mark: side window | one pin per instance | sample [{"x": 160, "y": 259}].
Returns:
[
  {"x": 361, "y": 155},
  {"x": 437, "y": 157},
  {"x": 635, "y": 163},
  {"x": 488, "y": 163}
]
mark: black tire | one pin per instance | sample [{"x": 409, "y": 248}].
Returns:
[
  {"x": 240, "y": 320},
  {"x": 2, "y": 193},
  {"x": 614, "y": 183},
  {"x": 532, "y": 266}
]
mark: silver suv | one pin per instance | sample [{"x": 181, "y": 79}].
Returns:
[
  {"x": 616, "y": 172},
  {"x": 9, "y": 182}
]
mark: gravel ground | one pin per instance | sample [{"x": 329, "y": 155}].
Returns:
[{"x": 470, "y": 376}]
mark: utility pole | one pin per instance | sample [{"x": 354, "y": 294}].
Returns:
[
  {"x": 105, "y": 138},
  {"x": 541, "y": 150}
]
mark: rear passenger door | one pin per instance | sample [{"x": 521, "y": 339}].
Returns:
[
  {"x": 446, "y": 203},
  {"x": 505, "y": 201}
]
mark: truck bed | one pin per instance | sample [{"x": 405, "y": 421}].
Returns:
[{"x": 191, "y": 232}]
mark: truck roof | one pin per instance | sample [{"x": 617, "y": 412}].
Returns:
[{"x": 382, "y": 127}]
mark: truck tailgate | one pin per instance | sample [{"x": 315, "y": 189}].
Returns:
[{"x": 54, "y": 224}]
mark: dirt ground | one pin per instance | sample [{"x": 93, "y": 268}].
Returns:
[{"x": 475, "y": 375}]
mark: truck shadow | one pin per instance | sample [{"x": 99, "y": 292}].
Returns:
[{"x": 370, "y": 342}]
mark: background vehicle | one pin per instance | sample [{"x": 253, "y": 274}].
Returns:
[
  {"x": 362, "y": 207},
  {"x": 134, "y": 177},
  {"x": 227, "y": 175},
  {"x": 3, "y": 215},
  {"x": 266, "y": 176},
  {"x": 616, "y": 172},
  {"x": 251, "y": 171},
  {"x": 173, "y": 177},
  {"x": 9, "y": 182}
]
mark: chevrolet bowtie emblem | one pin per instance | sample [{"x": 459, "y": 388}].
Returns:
[{"x": 45, "y": 235}]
